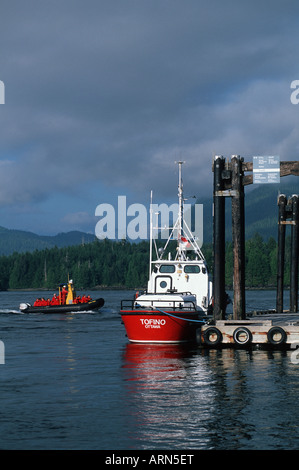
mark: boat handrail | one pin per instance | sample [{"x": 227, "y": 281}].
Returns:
[
  {"x": 169, "y": 291},
  {"x": 133, "y": 305}
]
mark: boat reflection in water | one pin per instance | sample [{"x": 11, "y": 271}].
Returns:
[
  {"x": 152, "y": 364},
  {"x": 165, "y": 385}
]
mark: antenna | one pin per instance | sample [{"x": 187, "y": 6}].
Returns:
[
  {"x": 181, "y": 200},
  {"x": 151, "y": 233}
]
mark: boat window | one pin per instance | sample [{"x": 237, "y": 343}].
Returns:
[
  {"x": 190, "y": 268},
  {"x": 167, "y": 268}
]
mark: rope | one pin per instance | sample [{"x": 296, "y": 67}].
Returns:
[{"x": 179, "y": 318}]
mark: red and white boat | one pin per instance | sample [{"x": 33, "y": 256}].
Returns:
[{"x": 179, "y": 292}]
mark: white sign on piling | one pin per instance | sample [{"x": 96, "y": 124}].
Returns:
[{"x": 266, "y": 169}]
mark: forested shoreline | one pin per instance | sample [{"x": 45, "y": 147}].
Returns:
[{"x": 106, "y": 263}]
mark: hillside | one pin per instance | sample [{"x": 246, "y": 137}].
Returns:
[
  {"x": 20, "y": 241},
  {"x": 261, "y": 214},
  {"x": 261, "y": 210}
]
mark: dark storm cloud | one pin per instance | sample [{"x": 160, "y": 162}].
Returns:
[{"x": 114, "y": 91}]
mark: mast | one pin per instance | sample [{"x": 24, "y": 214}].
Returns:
[
  {"x": 181, "y": 211},
  {"x": 185, "y": 238},
  {"x": 184, "y": 231},
  {"x": 181, "y": 202},
  {"x": 151, "y": 235}
]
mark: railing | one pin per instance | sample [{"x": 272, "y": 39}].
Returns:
[{"x": 152, "y": 304}]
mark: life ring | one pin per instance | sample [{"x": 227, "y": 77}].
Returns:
[
  {"x": 242, "y": 336},
  {"x": 276, "y": 335},
  {"x": 212, "y": 336}
]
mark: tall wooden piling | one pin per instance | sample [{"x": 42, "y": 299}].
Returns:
[
  {"x": 219, "y": 240},
  {"x": 238, "y": 235},
  {"x": 282, "y": 201},
  {"x": 294, "y": 255}
]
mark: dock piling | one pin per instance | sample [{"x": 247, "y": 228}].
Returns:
[
  {"x": 219, "y": 240},
  {"x": 238, "y": 235},
  {"x": 294, "y": 255},
  {"x": 282, "y": 201}
]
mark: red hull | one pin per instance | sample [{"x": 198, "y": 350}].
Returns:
[{"x": 155, "y": 327}]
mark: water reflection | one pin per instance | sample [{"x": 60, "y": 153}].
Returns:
[
  {"x": 151, "y": 365},
  {"x": 182, "y": 397},
  {"x": 166, "y": 384}
]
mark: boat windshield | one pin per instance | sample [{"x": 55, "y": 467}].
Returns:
[
  {"x": 189, "y": 268},
  {"x": 167, "y": 268}
]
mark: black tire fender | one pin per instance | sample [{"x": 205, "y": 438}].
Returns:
[
  {"x": 279, "y": 332},
  {"x": 242, "y": 336},
  {"x": 212, "y": 336}
]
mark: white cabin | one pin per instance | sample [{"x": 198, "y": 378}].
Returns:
[{"x": 182, "y": 277}]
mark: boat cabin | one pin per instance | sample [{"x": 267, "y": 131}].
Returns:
[{"x": 181, "y": 277}]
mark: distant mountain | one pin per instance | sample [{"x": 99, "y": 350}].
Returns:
[
  {"x": 261, "y": 215},
  {"x": 21, "y": 241},
  {"x": 261, "y": 210}
]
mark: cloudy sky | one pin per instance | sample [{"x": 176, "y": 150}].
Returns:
[{"x": 102, "y": 96}]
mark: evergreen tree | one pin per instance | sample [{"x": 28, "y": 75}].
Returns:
[
  {"x": 123, "y": 264},
  {"x": 258, "y": 265}
]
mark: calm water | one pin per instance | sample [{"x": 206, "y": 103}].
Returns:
[{"x": 74, "y": 382}]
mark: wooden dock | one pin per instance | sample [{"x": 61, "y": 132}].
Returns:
[
  {"x": 276, "y": 330},
  {"x": 229, "y": 183},
  {"x": 260, "y": 329}
]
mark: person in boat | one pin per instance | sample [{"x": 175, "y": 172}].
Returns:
[
  {"x": 64, "y": 294},
  {"x": 85, "y": 299},
  {"x": 37, "y": 303},
  {"x": 55, "y": 300},
  {"x": 77, "y": 300}
]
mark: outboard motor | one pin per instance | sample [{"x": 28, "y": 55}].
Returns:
[{"x": 23, "y": 307}]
